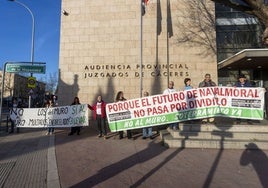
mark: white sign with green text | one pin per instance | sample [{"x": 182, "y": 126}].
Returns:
[{"x": 244, "y": 103}]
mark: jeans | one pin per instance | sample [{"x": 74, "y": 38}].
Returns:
[
  {"x": 173, "y": 125},
  {"x": 147, "y": 132}
]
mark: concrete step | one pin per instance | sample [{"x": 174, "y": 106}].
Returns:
[
  {"x": 171, "y": 142},
  {"x": 224, "y": 135},
  {"x": 219, "y": 135},
  {"x": 224, "y": 127}
]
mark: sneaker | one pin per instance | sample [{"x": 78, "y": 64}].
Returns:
[
  {"x": 151, "y": 137},
  {"x": 47, "y": 133},
  {"x": 144, "y": 137},
  {"x": 99, "y": 135},
  {"x": 211, "y": 120}
]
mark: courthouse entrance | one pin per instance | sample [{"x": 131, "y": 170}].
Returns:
[{"x": 251, "y": 62}]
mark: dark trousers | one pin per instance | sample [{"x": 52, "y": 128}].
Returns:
[
  {"x": 13, "y": 126},
  {"x": 75, "y": 130},
  {"x": 101, "y": 125},
  {"x": 50, "y": 130},
  {"x": 129, "y": 134}
]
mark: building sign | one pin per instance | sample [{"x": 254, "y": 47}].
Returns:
[
  {"x": 124, "y": 71},
  {"x": 244, "y": 103}
]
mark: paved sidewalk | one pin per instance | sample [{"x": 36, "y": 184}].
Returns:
[
  {"x": 28, "y": 160},
  {"x": 88, "y": 161}
]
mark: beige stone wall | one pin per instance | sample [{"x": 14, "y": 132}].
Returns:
[{"x": 100, "y": 50}]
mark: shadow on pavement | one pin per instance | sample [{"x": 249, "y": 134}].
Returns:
[
  {"x": 120, "y": 166},
  {"x": 171, "y": 156},
  {"x": 223, "y": 133},
  {"x": 258, "y": 159}
]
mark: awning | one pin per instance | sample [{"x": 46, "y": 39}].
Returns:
[{"x": 246, "y": 59}]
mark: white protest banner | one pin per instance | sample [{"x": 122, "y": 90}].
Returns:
[
  {"x": 62, "y": 116},
  {"x": 244, "y": 103}
]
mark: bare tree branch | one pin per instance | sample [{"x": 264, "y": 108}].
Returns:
[
  {"x": 197, "y": 25},
  {"x": 257, "y": 8}
]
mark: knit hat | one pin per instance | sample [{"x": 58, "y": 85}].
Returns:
[{"x": 241, "y": 76}]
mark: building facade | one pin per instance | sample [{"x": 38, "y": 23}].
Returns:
[
  {"x": 238, "y": 36},
  {"x": 16, "y": 86},
  {"x": 106, "y": 47}
]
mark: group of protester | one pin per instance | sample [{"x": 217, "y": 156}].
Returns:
[
  {"x": 99, "y": 113},
  {"x": 207, "y": 82}
]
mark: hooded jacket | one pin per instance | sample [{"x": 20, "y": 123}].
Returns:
[{"x": 94, "y": 108}]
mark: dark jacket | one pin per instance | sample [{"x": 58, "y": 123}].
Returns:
[
  {"x": 246, "y": 84},
  {"x": 210, "y": 83}
]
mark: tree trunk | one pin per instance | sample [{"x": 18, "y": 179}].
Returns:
[{"x": 265, "y": 36}]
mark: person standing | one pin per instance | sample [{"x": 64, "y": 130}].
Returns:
[
  {"x": 171, "y": 89},
  {"x": 187, "y": 84},
  {"x": 75, "y": 129},
  {"x": 50, "y": 104},
  {"x": 147, "y": 131},
  {"x": 120, "y": 97},
  {"x": 13, "y": 114},
  {"x": 100, "y": 116},
  {"x": 242, "y": 82},
  {"x": 207, "y": 82}
]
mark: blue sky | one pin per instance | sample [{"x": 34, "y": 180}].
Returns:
[{"x": 16, "y": 33}]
